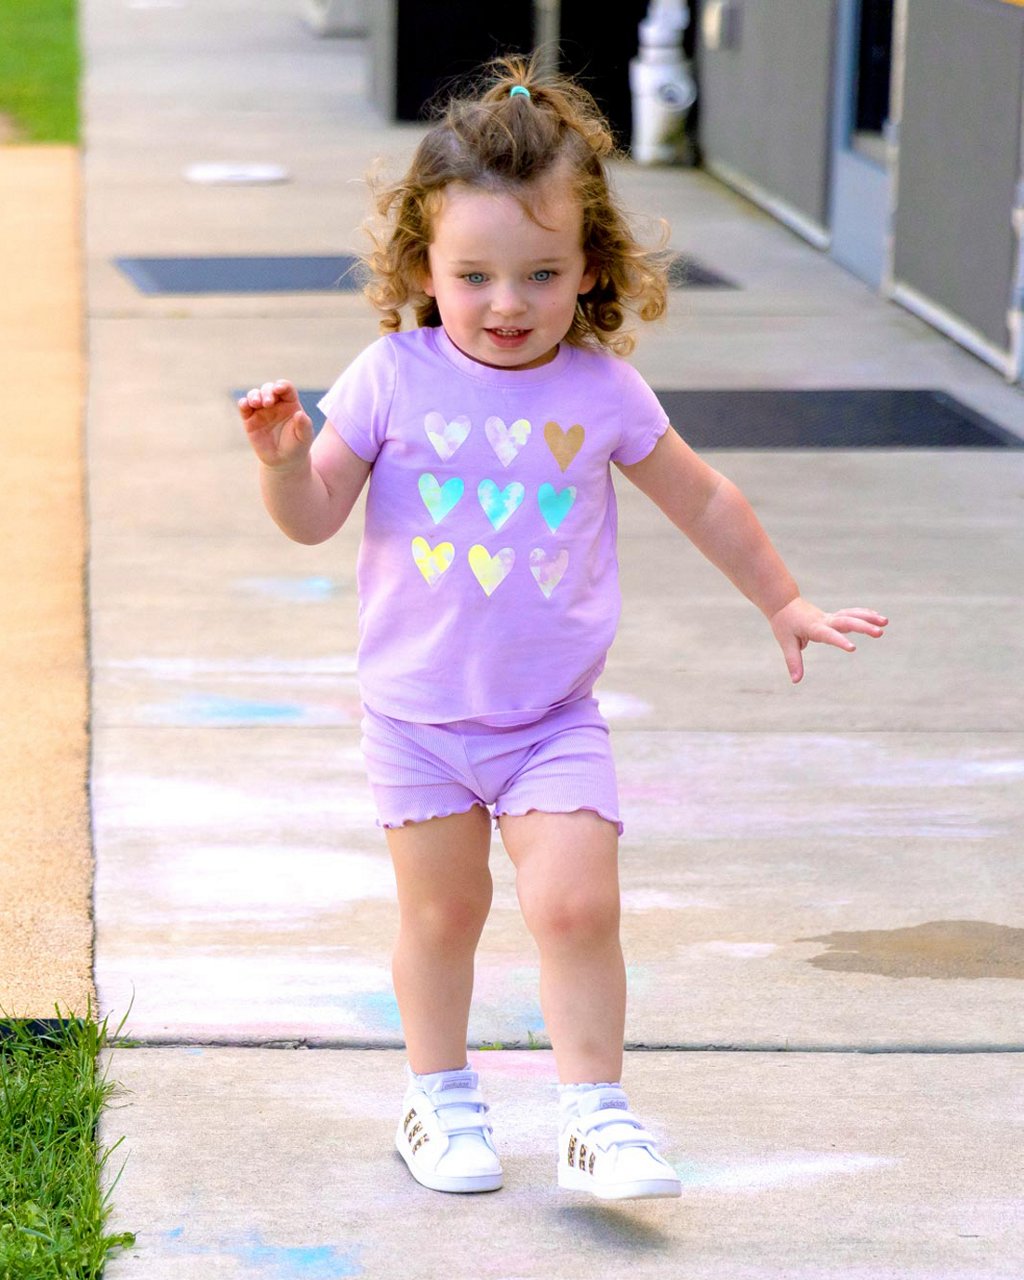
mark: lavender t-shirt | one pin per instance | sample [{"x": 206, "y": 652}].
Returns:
[{"x": 487, "y": 573}]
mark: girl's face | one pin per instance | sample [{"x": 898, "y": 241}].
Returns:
[{"x": 506, "y": 285}]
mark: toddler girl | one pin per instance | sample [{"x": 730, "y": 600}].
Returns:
[{"x": 488, "y": 590}]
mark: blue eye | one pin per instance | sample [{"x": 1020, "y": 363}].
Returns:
[
  {"x": 542, "y": 277},
  {"x": 474, "y": 277}
]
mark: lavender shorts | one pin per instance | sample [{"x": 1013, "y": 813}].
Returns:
[{"x": 558, "y": 764}]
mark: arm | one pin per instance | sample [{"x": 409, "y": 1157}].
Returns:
[
  {"x": 309, "y": 488},
  {"x": 720, "y": 522}
]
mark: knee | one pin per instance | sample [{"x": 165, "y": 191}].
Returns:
[
  {"x": 447, "y": 922},
  {"x": 582, "y": 917}
]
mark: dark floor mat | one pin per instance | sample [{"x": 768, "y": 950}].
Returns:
[
  {"x": 339, "y": 274},
  {"x": 688, "y": 273},
  {"x": 831, "y": 419},
  {"x": 243, "y": 275},
  {"x": 857, "y": 419}
]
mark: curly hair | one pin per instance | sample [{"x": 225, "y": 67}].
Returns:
[{"x": 499, "y": 142}]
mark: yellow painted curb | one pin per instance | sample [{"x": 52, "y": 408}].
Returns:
[{"x": 45, "y": 854}]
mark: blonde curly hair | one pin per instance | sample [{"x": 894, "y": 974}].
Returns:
[{"x": 496, "y": 141}]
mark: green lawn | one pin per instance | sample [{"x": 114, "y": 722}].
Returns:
[
  {"x": 39, "y": 69},
  {"x": 53, "y": 1211}
]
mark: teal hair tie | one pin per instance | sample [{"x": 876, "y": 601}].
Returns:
[{"x": 518, "y": 89}]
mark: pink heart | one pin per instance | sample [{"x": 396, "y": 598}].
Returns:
[
  {"x": 548, "y": 570},
  {"x": 446, "y": 436},
  {"x": 507, "y": 441}
]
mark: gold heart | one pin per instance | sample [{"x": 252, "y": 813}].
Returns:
[{"x": 565, "y": 445}]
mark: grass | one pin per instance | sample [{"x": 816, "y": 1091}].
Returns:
[
  {"x": 53, "y": 1210},
  {"x": 39, "y": 68},
  {"x": 531, "y": 1043}
]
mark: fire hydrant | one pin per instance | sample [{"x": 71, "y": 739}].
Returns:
[{"x": 662, "y": 87}]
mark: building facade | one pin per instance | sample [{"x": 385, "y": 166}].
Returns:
[{"x": 889, "y": 134}]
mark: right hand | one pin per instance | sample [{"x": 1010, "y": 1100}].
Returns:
[{"x": 279, "y": 429}]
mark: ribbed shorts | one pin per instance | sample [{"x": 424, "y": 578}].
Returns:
[{"x": 558, "y": 764}]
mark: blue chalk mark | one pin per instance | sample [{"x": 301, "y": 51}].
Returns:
[
  {"x": 282, "y": 1262},
  {"x": 532, "y": 1020},
  {"x": 375, "y": 1009},
  {"x": 276, "y": 1262},
  {"x": 294, "y": 590},
  {"x": 214, "y": 709},
  {"x": 372, "y": 1010},
  {"x": 220, "y": 711}
]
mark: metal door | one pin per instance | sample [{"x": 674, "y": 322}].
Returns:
[
  {"x": 956, "y": 251},
  {"x": 765, "y": 104},
  {"x": 860, "y": 194}
]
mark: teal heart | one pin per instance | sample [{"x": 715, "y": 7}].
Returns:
[
  {"x": 439, "y": 499},
  {"x": 499, "y": 504},
  {"x": 554, "y": 506}
]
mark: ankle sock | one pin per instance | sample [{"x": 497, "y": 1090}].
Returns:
[
  {"x": 570, "y": 1096},
  {"x": 432, "y": 1079}
]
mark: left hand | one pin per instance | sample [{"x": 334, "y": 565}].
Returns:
[{"x": 800, "y": 622}]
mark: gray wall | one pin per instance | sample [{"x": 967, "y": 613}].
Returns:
[
  {"x": 960, "y": 158},
  {"x": 766, "y": 103}
]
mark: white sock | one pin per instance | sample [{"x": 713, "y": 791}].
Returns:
[
  {"x": 432, "y": 1079},
  {"x": 569, "y": 1096}
]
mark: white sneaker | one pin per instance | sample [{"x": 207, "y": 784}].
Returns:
[
  {"x": 444, "y": 1135},
  {"x": 606, "y": 1150}
]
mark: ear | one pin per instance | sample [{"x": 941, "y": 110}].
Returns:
[{"x": 588, "y": 281}]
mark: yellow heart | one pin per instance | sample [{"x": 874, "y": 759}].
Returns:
[
  {"x": 434, "y": 562},
  {"x": 491, "y": 571},
  {"x": 565, "y": 445}
]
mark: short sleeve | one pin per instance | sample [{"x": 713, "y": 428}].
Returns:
[
  {"x": 644, "y": 420},
  {"x": 358, "y": 405}
]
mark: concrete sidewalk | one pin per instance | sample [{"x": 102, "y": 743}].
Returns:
[
  {"x": 261, "y": 1163},
  {"x": 829, "y": 869}
]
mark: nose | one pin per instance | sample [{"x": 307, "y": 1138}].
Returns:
[{"x": 507, "y": 300}]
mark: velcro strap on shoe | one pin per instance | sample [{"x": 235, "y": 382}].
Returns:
[
  {"x": 459, "y": 1098},
  {"x": 614, "y": 1128},
  {"x": 461, "y": 1111}
]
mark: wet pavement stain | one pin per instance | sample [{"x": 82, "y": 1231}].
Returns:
[{"x": 938, "y": 949}]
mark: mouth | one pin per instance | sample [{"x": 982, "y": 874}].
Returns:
[{"x": 508, "y": 337}]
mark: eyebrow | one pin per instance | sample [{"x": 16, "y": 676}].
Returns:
[{"x": 482, "y": 262}]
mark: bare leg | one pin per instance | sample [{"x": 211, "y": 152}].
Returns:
[
  {"x": 444, "y": 896},
  {"x": 568, "y": 885}
]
